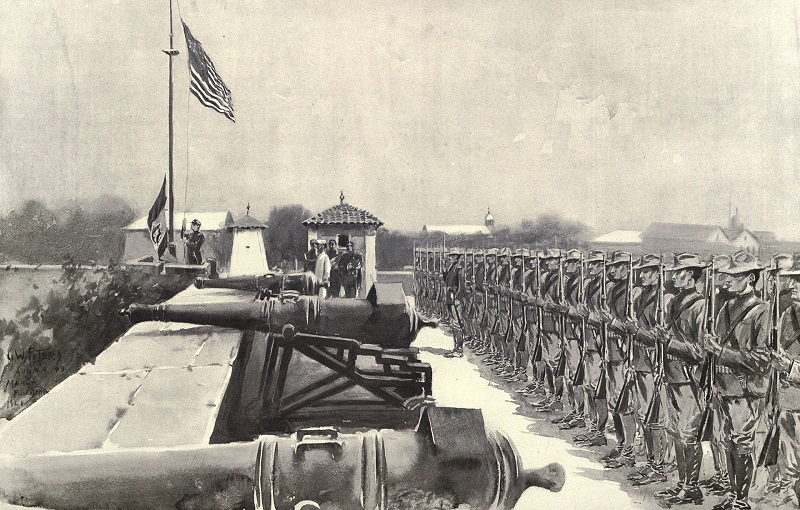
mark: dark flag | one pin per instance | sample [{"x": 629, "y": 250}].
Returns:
[
  {"x": 206, "y": 85},
  {"x": 158, "y": 233}
]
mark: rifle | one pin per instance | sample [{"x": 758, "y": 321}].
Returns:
[
  {"x": 627, "y": 385},
  {"x": 769, "y": 452},
  {"x": 601, "y": 384},
  {"x": 707, "y": 375},
  {"x": 660, "y": 351},
  {"x": 523, "y": 290},
  {"x": 509, "y": 327},
  {"x": 562, "y": 321},
  {"x": 537, "y": 352},
  {"x": 580, "y": 372}
]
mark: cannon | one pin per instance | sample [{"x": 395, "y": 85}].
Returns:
[
  {"x": 449, "y": 456},
  {"x": 385, "y": 317},
  {"x": 266, "y": 285}
]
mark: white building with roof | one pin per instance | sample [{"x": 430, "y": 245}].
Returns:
[{"x": 214, "y": 225}]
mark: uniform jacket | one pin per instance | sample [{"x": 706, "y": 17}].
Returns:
[
  {"x": 350, "y": 266},
  {"x": 531, "y": 292},
  {"x": 571, "y": 292},
  {"x": 550, "y": 319},
  {"x": 594, "y": 302},
  {"x": 744, "y": 347},
  {"x": 644, "y": 343},
  {"x": 480, "y": 277},
  {"x": 454, "y": 281},
  {"x": 617, "y": 300},
  {"x": 194, "y": 241},
  {"x": 516, "y": 288},
  {"x": 789, "y": 388},
  {"x": 685, "y": 320},
  {"x": 322, "y": 268}
]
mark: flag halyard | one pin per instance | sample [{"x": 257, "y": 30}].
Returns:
[{"x": 205, "y": 83}]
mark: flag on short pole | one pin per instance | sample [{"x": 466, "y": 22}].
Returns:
[
  {"x": 155, "y": 220},
  {"x": 206, "y": 84}
]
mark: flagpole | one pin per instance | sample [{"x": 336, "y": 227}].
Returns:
[{"x": 171, "y": 52}]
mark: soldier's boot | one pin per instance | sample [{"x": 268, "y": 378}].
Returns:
[
  {"x": 796, "y": 488},
  {"x": 624, "y": 459},
  {"x": 744, "y": 467},
  {"x": 563, "y": 418},
  {"x": 725, "y": 504},
  {"x": 598, "y": 439},
  {"x": 669, "y": 492},
  {"x": 576, "y": 422},
  {"x": 656, "y": 476},
  {"x": 689, "y": 494}
]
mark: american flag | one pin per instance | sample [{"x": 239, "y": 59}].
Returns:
[{"x": 206, "y": 85}]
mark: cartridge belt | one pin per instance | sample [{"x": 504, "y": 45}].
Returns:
[{"x": 724, "y": 370}]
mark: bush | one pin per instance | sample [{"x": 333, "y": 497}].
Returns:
[{"x": 51, "y": 339}]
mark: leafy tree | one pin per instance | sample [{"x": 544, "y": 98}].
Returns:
[{"x": 287, "y": 238}]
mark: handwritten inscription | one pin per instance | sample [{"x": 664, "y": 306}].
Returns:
[{"x": 24, "y": 373}]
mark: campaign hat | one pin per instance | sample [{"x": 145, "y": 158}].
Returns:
[
  {"x": 551, "y": 253},
  {"x": 596, "y": 256},
  {"x": 742, "y": 262},
  {"x": 687, "y": 261},
  {"x": 649, "y": 260},
  {"x": 574, "y": 255},
  {"x": 619, "y": 257}
]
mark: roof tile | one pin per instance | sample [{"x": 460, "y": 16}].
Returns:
[{"x": 344, "y": 214}]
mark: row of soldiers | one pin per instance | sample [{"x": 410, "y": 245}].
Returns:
[{"x": 680, "y": 348}]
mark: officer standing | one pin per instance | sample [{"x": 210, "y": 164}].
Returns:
[
  {"x": 336, "y": 278},
  {"x": 322, "y": 269},
  {"x": 741, "y": 359},
  {"x": 350, "y": 269},
  {"x": 311, "y": 256},
  {"x": 681, "y": 338}
]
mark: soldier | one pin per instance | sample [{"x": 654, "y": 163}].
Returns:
[
  {"x": 786, "y": 360},
  {"x": 741, "y": 361},
  {"x": 454, "y": 295},
  {"x": 618, "y": 379},
  {"x": 336, "y": 276},
  {"x": 503, "y": 366},
  {"x": 550, "y": 330},
  {"x": 311, "y": 256},
  {"x": 573, "y": 339},
  {"x": 478, "y": 299},
  {"x": 322, "y": 269},
  {"x": 517, "y": 339},
  {"x": 491, "y": 316},
  {"x": 532, "y": 353},
  {"x": 594, "y": 386},
  {"x": 649, "y": 405},
  {"x": 683, "y": 354},
  {"x": 194, "y": 242},
  {"x": 350, "y": 267}
]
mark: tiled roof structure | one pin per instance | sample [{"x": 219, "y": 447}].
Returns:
[
  {"x": 344, "y": 214},
  {"x": 247, "y": 222}
]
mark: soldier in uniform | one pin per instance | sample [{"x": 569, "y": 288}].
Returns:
[
  {"x": 336, "y": 275},
  {"x": 741, "y": 374},
  {"x": 517, "y": 339},
  {"x": 491, "y": 316},
  {"x": 594, "y": 387},
  {"x": 350, "y": 268},
  {"x": 550, "y": 330},
  {"x": 503, "y": 366},
  {"x": 573, "y": 339},
  {"x": 786, "y": 360},
  {"x": 683, "y": 354},
  {"x": 532, "y": 352},
  {"x": 649, "y": 307},
  {"x": 478, "y": 299},
  {"x": 616, "y": 353},
  {"x": 454, "y": 295},
  {"x": 194, "y": 242},
  {"x": 311, "y": 256}
]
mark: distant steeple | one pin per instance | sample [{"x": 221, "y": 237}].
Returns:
[
  {"x": 735, "y": 223},
  {"x": 489, "y": 220}
]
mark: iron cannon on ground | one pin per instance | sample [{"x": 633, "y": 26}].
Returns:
[{"x": 265, "y": 285}]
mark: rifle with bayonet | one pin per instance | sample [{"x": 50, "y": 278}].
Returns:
[
  {"x": 580, "y": 371},
  {"x": 537, "y": 352},
  {"x": 601, "y": 385},
  {"x": 509, "y": 326},
  {"x": 769, "y": 452},
  {"x": 630, "y": 314},
  {"x": 660, "y": 355},
  {"x": 562, "y": 320},
  {"x": 707, "y": 374},
  {"x": 521, "y": 343}
]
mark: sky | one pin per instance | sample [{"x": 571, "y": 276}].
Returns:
[{"x": 615, "y": 114}]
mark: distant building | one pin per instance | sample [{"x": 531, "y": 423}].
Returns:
[
  {"x": 619, "y": 240},
  {"x": 484, "y": 230},
  {"x": 345, "y": 223},
  {"x": 686, "y": 237},
  {"x": 214, "y": 225}
]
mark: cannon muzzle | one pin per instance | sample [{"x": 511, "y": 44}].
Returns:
[
  {"x": 267, "y": 284},
  {"x": 450, "y": 457},
  {"x": 385, "y": 317}
]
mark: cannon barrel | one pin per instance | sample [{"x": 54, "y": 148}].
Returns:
[
  {"x": 450, "y": 456},
  {"x": 385, "y": 317},
  {"x": 271, "y": 283}
]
